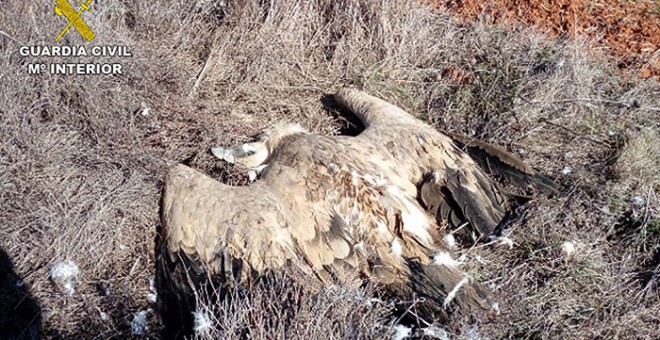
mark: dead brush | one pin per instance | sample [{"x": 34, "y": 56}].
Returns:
[
  {"x": 81, "y": 168},
  {"x": 280, "y": 307}
]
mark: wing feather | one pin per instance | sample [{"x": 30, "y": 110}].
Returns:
[
  {"x": 462, "y": 193},
  {"x": 338, "y": 238},
  {"x": 211, "y": 222},
  {"x": 505, "y": 165},
  {"x": 371, "y": 110},
  {"x": 206, "y": 217}
]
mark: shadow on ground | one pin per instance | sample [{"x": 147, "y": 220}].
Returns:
[{"x": 20, "y": 315}]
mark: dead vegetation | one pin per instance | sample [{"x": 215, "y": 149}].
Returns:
[
  {"x": 81, "y": 165},
  {"x": 278, "y": 307},
  {"x": 629, "y": 30}
]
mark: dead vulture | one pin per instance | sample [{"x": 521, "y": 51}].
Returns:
[{"x": 341, "y": 209}]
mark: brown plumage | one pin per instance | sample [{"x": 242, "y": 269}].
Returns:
[{"x": 337, "y": 208}]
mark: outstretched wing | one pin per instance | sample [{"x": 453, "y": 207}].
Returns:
[
  {"x": 453, "y": 183},
  {"x": 214, "y": 223},
  {"x": 235, "y": 233},
  {"x": 212, "y": 230},
  {"x": 370, "y": 110}
]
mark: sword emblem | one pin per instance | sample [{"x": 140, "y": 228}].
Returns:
[{"x": 63, "y": 8}]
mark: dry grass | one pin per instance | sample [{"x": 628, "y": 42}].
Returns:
[
  {"x": 81, "y": 168},
  {"x": 279, "y": 307}
]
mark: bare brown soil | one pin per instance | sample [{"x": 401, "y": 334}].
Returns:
[{"x": 630, "y": 30}]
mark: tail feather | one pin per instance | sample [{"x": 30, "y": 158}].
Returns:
[
  {"x": 441, "y": 290},
  {"x": 437, "y": 290}
]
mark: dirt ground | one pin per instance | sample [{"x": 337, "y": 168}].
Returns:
[
  {"x": 629, "y": 30},
  {"x": 83, "y": 158}
]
